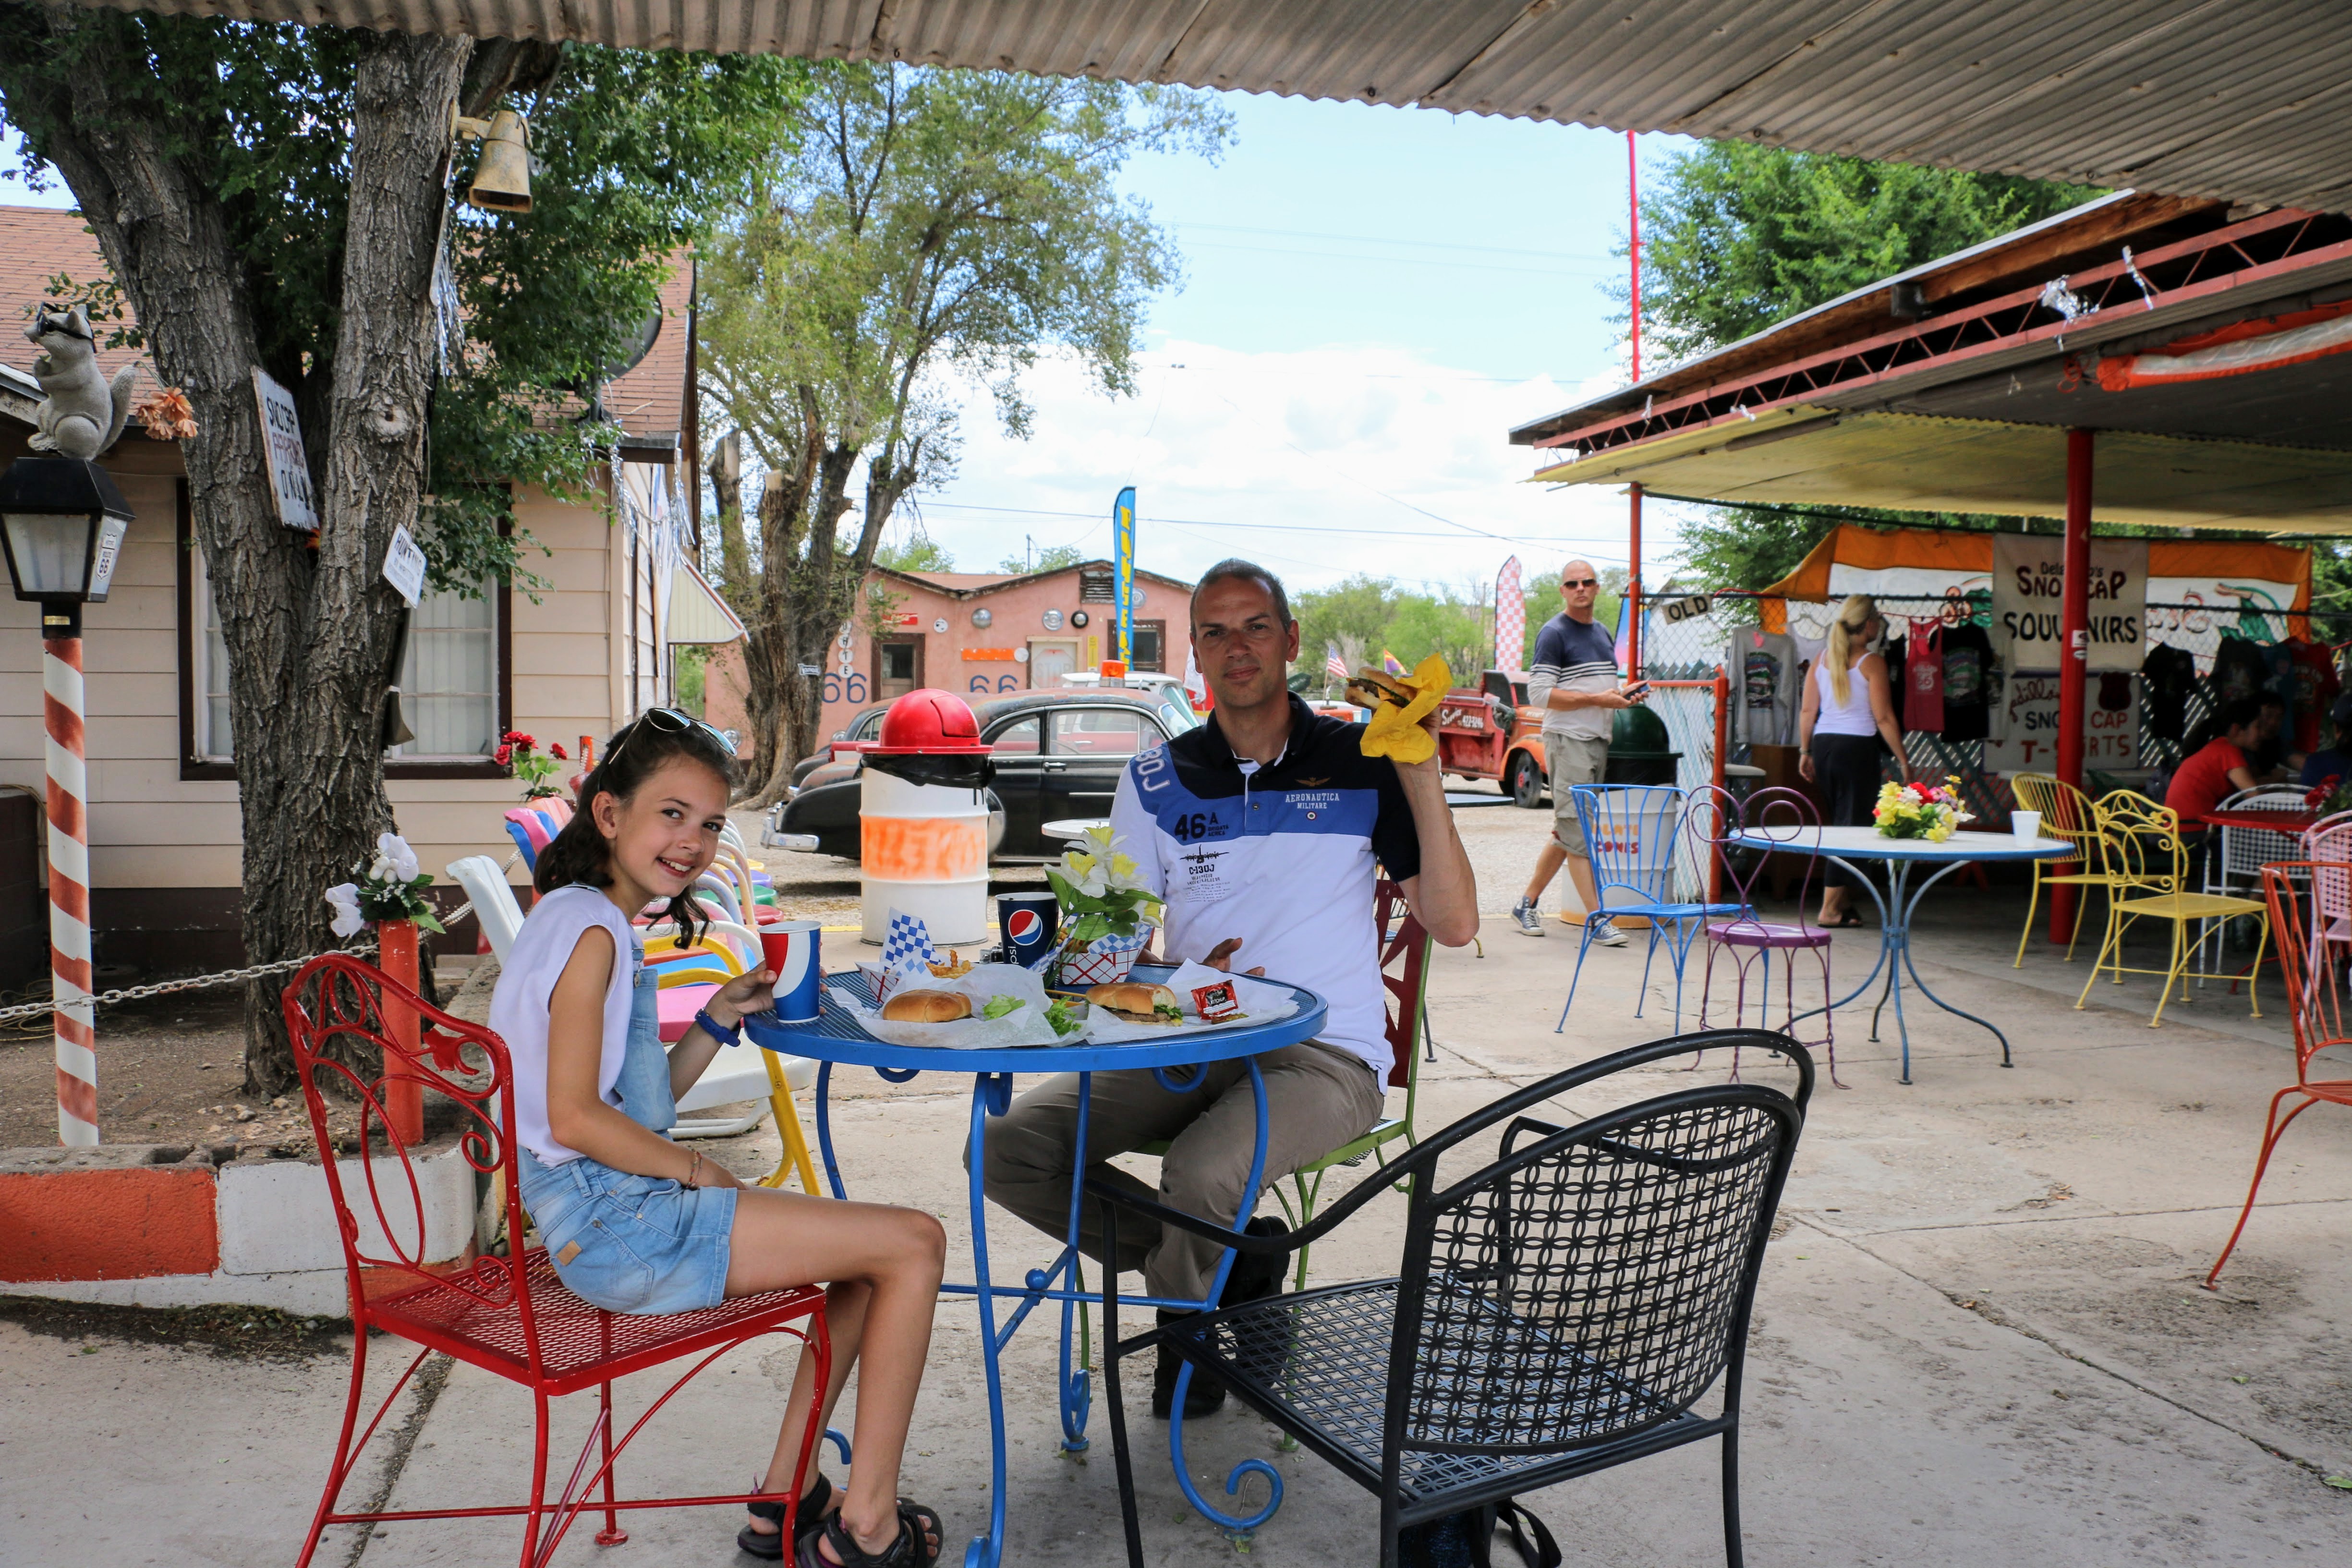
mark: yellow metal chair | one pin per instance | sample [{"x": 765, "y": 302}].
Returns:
[
  {"x": 797, "y": 1159},
  {"x": 2151, "y": 864},
  {"x": 2068, "y": 814}
]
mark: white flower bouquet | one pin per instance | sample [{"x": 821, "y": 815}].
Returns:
[
  {"x": 1109, "y": 912},
  {"x": 391, "y": 888}
]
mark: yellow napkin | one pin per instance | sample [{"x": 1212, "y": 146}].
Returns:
[{"x": 1396, "y": 733}]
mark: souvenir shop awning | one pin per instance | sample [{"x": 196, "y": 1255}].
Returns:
[
  {"x": 1950, "y": 559},
  {"x": 2210, "y": 350}
]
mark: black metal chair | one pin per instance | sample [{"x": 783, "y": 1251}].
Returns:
[{"x": 1557, "y": 1311}]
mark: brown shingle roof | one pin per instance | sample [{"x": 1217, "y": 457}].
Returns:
[
  {"x": 37, "y": 244},
  {"x": 651, "y": 398}
]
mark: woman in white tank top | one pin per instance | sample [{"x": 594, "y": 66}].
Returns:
[{"x": 1839, "y": 731}]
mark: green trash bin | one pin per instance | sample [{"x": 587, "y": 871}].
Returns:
[{"x": 1640, "y": 751}]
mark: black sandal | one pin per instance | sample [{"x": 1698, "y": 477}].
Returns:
[
  {"x": 769, "y": 1545},
  {"x": 908, "y": 1549}
]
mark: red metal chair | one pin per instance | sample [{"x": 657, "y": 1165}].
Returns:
[
  {"x": 2315, "y": 1002},
  {"x": 1786, "y": 817},
  {"x": 505, "y": 1314}
]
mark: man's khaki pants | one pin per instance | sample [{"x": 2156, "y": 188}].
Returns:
[{"x": 1317, "y": 1099}]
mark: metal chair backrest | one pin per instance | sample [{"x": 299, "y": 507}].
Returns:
[
  {"x": 2066, "y": 813},
  {"x": 1786, "y": 816},
  {"x": 341, "y": 1014},
  {"x": 532, "y": 831},
  {"x": 2314, "y": 991},
  {"x": 1592, "y": 1281},
  {"x": 1630, "y": 832},
  {"x": 2144, "y": 847},
  {"x": 1401, "y": 937},
  {"x": 495, "y": 908},
  {"x": 2244, "y": 851},
  {"x": 2325, "y": 842}
]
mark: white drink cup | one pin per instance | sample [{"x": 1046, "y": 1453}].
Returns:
[{"x": 2026, "y": 824}]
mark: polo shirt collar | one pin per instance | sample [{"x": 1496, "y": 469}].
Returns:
[{"x": 1302, "y": 720}]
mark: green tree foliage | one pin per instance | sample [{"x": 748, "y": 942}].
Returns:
[
  {"x": 1052, "y": 558},
  {"x": 933, "y": 230},
  {"x": 1354, "y": 614},
  {"x": 921, "y": 552},
  {"x": 1736, "y": 237}
]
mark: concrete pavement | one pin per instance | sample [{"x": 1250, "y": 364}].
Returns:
[{"x": 1979, "y": 1334}]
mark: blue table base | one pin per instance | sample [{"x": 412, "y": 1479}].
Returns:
[{"x": 1063, "y": 1281}]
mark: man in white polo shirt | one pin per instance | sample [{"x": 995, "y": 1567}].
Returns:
[{"x": 1262, "y": 830}]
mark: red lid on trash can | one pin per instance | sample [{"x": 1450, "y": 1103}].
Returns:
[{"x": 929, "y": 723}]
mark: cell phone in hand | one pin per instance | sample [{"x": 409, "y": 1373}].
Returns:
[{"x": 1637, "y": 693}]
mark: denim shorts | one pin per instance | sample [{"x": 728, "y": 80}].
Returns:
[{"x": 630, "y": 1244}]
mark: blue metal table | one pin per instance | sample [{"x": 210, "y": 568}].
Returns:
[
  {"x": 1842, "y": 846},
  {"x": 834, "y": 1038}
]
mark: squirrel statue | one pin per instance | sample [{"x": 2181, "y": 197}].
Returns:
[{"x": 82, "y": 415}]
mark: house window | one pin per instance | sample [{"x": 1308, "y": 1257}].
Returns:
[
  {"x": 453, "y": 679},
  {"x": 1150, "y": 648},
  {"x": 449, "y": 677},
  {"x": 1096, "y": 585}
]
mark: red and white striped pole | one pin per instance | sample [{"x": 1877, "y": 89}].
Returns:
[{"x": 69, "y": 969}]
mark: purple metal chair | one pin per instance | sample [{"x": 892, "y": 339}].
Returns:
[{"x": 1786, "y": 817}]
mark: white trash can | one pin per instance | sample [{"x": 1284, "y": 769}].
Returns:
[{"x": 923, "y": 821}]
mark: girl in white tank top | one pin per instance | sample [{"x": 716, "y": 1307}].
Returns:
[{"x": 1852, "y": 716}]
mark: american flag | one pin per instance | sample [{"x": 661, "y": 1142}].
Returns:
[{"x": 1333, "y": 665}]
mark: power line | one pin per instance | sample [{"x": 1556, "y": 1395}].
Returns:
[
  {"x": 1270, "y": 527},
  {"x": 1360, "y": 256},
  {"x": 1369, "y": 240}
]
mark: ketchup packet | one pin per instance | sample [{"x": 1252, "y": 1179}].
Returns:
[{"x": 1216, "y": 1002}]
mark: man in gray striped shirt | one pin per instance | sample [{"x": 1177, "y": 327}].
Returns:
[{"x": 1576, "y": 682}]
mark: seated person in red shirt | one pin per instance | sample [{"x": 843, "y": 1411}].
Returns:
[{"x": 2217, "y": 768}]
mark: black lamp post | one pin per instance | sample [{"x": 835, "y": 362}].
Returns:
[{"x": 61, "y": 526}]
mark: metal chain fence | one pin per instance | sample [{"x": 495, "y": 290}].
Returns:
[
  {"x": 191, "y": 983},
  {"x": 1688, "y": 637}
]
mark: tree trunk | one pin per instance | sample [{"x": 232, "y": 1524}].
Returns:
[{"x": 308, "y": 700}]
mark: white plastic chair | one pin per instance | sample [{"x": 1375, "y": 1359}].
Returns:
[
  {"x": 493, "y": 897},
  {"x": 2233, "y": 864}
]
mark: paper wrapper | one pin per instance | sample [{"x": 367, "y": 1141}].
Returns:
[
  {"x": 1025, "y": 1025},
  {"x": 1396, "y": 733},
  {"x": 1261, "y": 1003},
  {"x": 1105, "y": 960}
]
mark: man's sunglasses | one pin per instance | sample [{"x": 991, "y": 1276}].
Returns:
[
  {"x": 1579, "y": 582},
  {"x": 669, "y": 721}
]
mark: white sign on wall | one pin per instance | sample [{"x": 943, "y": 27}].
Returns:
[
  {"x": 281, "y": 441},
  {"x": 2028, "y": 579},
  {"x": 2027, "y": 727},
  {"x": 404, "y": 565}
]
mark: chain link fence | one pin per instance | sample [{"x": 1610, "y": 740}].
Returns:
[{"x": 1688, "y": 638}]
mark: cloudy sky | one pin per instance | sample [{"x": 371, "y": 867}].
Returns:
[{"x": 1374, "y": 298}]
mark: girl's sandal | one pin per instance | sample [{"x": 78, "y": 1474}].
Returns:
[
  {"x": 769, "y": 1545},
  {"x": 909, "y": 1549}
]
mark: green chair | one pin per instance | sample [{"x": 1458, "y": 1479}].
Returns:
[
  {"x": 1404, "y": 974},
  {"x": 1400, "y": 939}
]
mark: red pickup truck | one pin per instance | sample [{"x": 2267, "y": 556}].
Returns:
[{"x": 1490, "y": 732}]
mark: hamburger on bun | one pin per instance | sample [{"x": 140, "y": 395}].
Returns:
[
  {"x": 1138, "y": 1002},
  {"x": 927, "y": 1007},
  {"x": 1371, "y": 688}
]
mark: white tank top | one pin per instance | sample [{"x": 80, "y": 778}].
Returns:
[{"x": 1852, "y": 719}]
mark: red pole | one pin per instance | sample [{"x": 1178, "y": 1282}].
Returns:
[
  {"x": 73, "y": 1020},
  {"x": 1722, "y": 746},
  {"x": 2074, "y": 644},
  {"x": 404, "y": 1094},
  {"x": 1633, "y": 595},
  {"x": 1634, "y": 204},
  {"x": 1633, "y": 576}
]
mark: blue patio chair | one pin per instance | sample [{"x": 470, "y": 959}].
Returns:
[{"x": 1631, "y": 832}]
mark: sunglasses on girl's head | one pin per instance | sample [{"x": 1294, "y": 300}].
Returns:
[{"x": 670, "y": 722}]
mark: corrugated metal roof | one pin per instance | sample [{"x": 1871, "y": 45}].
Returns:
[{"x": 2220, "y": 99}]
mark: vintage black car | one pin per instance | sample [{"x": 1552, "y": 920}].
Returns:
[
  {"x": 1058, "y": 756},
  {"x": 864, "y": 727}
]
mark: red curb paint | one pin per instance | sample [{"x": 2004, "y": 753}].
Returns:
[{"x": 108, "y": 1224}]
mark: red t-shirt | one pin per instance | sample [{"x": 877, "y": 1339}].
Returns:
[{"x": 2203, "y": 782}]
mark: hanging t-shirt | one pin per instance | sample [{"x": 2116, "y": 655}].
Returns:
[
  {"x": 1922, "y": 679},
  {"x": 2168, "y": 676},
  {"x": 2239, "y": 671},
  {"x": 1967, "y": 690},
  {"x": 1762, "y": 667},
  {"x": 2312, "y": 670},
  {"x": 1898, "y": 659}
]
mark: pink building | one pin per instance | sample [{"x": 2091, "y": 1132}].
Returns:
[{"x": 977, "y": 633}]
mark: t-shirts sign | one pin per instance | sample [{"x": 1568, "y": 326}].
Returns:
[
  {"x": 2026, "y": 741},
  {"x": 2029, "y": 576}
]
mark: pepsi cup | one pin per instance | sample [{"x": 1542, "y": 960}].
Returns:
[
  {"x": 1030, "y": 923},
  {"x": 789, "y": 948}
]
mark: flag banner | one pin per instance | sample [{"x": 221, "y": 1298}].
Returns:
[
  {"x": 1510, "y": 617},
  {"x": 1391, "y": 663},
  {"x": 1333, "y": 665},
  {"x": 1122, "y": 528}
]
